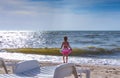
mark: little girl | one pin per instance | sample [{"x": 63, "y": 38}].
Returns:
[{"x": 66, "y": 49}]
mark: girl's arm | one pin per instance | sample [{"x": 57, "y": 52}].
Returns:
[
  {"x": 69, "y": 46},
  {"x": 62, "y": 45}
]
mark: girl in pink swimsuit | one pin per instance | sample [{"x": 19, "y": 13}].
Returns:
[{"x": 66, "y": 49}]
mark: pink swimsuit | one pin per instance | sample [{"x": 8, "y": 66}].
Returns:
[{"x": 66, "y": 51}]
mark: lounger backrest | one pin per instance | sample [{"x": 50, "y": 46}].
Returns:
[
  {"x": 26, "y": 66},
  {"x": 65, "y": 70}
]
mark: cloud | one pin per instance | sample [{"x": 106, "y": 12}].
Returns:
[
  {"x": 16, "y": 7},
  {"x": 62, "y": 14},
  {"x": 34, "y": 7}
]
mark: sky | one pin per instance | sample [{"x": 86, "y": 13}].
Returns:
[{"x": 59, "y": 15}]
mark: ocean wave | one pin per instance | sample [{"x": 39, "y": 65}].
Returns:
[
  {"x": 100, "y": 51},
  {"x": 86, "y": 51}
]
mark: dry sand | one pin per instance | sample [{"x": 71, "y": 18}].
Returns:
[
  {"x": 103, "y": 71},
  {"x": 97, "y": 71}
]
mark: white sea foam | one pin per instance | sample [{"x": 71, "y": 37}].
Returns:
[{"x": 72, "y": 59}]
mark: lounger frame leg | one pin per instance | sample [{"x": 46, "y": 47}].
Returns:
[
  {"x": 87, "y": 74},
  {"x": 3, "y": 64}
]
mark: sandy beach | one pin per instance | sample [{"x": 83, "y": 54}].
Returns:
[
  {"x": 97, "y": 71},
  {"x": 103, "y": 71}
]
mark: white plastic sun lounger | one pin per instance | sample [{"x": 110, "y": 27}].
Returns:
[
  {"x": 65, "y": 70},
  {"x": 69, "y": 69},
  {"x": 29, "y": 69}
]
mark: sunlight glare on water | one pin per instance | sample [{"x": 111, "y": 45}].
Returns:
[{"x": 13, "y": 39}]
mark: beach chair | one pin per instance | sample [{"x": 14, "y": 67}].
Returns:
[
  {"x": 65, "y": 70},
  {"x": 68, "y": 69},
  {"x": 28, "y": 69},
  {"x": 25, "y": 66},
  {"x": 32, "y": 68}
]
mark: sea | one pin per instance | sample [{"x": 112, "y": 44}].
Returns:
[{"x": 108, "y": 40}]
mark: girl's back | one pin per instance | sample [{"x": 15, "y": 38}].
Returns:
[{"x": 65, "y": 44}]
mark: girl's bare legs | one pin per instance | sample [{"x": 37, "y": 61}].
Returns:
[
  {"x": 67, "y": 59},
  {"x": 63, "y": 58}
]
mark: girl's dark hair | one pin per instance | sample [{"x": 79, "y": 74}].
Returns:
[{"x": 65, "y": 38}]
